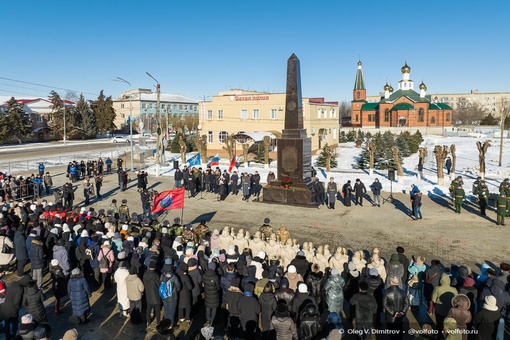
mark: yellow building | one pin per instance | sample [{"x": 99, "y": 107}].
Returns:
[{"x": 261, "y": 113}]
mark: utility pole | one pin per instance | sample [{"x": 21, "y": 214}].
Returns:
[
  {"x": 64, "y": 105},
  {"x": 503, "y": 111},
  {"x": 159, "y": 138}
]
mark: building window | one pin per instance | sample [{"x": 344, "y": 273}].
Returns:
[
  {"x": 121, "y": 106},
  {"x": 358, "y": 95},
  {"x": 180, "y": 107},
  {"x": 244, "y": 114},
  {"x": 371, "y": 118},
  {"x": 174, "y": 106},
  {"x": 209, "y": 137},
  {"x": 333, "y": 113},
  {"x": 387, "y": 115},
  {"x": 357, "y": 118},
  {"x": 334, "y": 133},
  {"x": 144, "y": 106},
  {"x": 220, "y": 114},
  {"x": 39, "y": 118},
  {"x": 274, "y": 114},
  {"x": 222, "y": 136},
  {"x": 185, "y": 107},
  {"x": 209, "y": 114},
  {"x": 319, "y": 113},
  {"x": 432, "y": 120},
  {"x": 421, "y": 115},
  {"x": 123, "y": 115},
  {"x": 256, "y": 114}
]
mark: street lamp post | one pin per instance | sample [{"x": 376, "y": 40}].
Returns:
[
  {"x": 130, "y": 120},
  {"x": 64, "y": 104},
  {"x": 159, "y": 141}
]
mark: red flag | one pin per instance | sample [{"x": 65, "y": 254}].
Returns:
[
  {"x": 232, "y": 164},
  {"x": 168, "y": 200}
]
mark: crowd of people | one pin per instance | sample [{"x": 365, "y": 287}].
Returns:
[
  {"x": 263, "y": 285},
  {"x": 195, "y": 181}
]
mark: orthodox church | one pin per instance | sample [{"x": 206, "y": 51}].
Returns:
[{"x": 402, "y": 108}]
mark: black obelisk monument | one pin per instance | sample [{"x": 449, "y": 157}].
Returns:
[{"x": 294, "y": 148}]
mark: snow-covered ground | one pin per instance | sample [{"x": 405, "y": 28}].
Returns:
[{"x": 467, "y": 166}]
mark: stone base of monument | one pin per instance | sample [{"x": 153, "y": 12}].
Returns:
[{"x": 294, "y": 195}]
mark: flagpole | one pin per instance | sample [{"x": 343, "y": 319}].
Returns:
[{"x": 182, "y": 216}]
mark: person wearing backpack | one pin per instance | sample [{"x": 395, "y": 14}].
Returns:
[
  {"x": 105, "y": 258},
  {"x": 135, "y": 289},
  {"x": 169, "y": 289}
]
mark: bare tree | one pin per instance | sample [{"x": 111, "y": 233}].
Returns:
[
  {"x": 468, "y": 113},
  {"x": 344, "y": 110},
  {"x": 267, "y": 144},
  {"x": 398, "y": 165},
  {"x": 371, "y": 156},
  {"x": 482, "y": 150},
  {"x": 441, "y": 152},
  {"x": 230, "y": 146},
  {"x": 453, "y": 151},
  {"x": 422, "y": 154},
  {"x": 182, "y": 147},
  {"x": 246, "y": 148},
  {"x": 203, "y": 142}
]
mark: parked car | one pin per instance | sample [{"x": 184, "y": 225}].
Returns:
[{"x": 121, "y": 139}]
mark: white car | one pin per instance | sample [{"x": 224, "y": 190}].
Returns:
[{"x": 121, "y": 139}]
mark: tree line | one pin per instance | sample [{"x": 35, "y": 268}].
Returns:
[{"x": 86, "y": 119}]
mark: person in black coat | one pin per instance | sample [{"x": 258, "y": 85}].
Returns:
[
  {"x": 359, "y": 191},
  {"x": 184, "y": 306},
  {"x": 21, "y": 250},
  {"x": 151, "y": 282},
  {"x": 212, "y": 296},
  {"x": 37, "y": 260},
  {"x": 346, "y": 193},
  {"x": 366, "y": 307},
  {"x": 249, "y": 309},
  {"x": 395, "y": 306},
  {"x": 58, "y": 283},
  {"x": 33, "y": 299},
  {"x": 12, "y": 305},
  {"x": 268, "y": 306},
  {"x": 234, "y": 181},
  {"x": 301, "y": 263},
  {"x": 315, "y": 282}
]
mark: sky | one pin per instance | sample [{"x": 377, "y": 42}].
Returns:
[{"x": 198, "y": 48}]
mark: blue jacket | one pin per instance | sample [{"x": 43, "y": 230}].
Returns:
[
  {"x": 37, "y": 254},
  {"x": 79, "y": 294}
]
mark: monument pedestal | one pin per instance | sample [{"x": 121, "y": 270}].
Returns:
[
  {"x": 300, "y": 196},
  {"x": 294, "y": 158}
]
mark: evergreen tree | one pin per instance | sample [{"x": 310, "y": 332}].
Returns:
[
  {"x": 489, "y": 120},
  {"x": 56, "y": 122},
  {"x": 104, "y": 113},
  {"x": 87, "y": 120},
  {"x": 14, "y": 122},
  {"x": 342, "y": 137},
  {"x": 321, "y": 159},
  {"x": 351, "y": 136},
  {"x": 386, "y": 161},
  {"x": 417, "y": 140},
  {"x": 174, "y": 146},
  {"x": 403, "y": 147}
]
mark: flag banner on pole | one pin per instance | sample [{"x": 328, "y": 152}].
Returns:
[
  {"x": 215, "y": 161},
  {"x": 168, "y": 200},
  {"x": 232, "y": 164},
  {"x": 195, "y": 160}
]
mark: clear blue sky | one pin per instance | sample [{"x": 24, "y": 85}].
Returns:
[{"x": 197, "y": 48}]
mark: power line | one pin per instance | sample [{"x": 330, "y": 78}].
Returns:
[
  {"x": 23, "y": 87},
  {"x": 48, "y": 86},
  {"x": 26, "y": 94}
]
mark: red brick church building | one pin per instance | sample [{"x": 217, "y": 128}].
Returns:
[{"x": 402, "y": 108}]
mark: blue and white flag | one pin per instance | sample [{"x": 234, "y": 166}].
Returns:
[{"x": 195, "y": 160}]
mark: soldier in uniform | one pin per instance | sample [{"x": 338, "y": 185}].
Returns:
[
  {"x": 476, "y": 184},
  {"x": 483, "y": 196},
  {"x": 455, "y": 184},
  {"x": 124, "y": 211},
  {"x": 458, "y": 195},
  {"x": 502, "y": 205},
  {"x": 504, "y": 186},
  {"x": 266, "y": 230},
  {"x": 332, "y": 191},
  {"x": 245, "y": 184}
]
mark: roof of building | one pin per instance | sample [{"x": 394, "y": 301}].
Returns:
[
  {"x": 166, "y": 97},
  {"x": 402, "y": 106},
  {"x": 439, "y": 106},
  {"x": 359, "y": 84},
  {"x": 411, "y": 94},
  {"x": 369, "y": 106}
]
